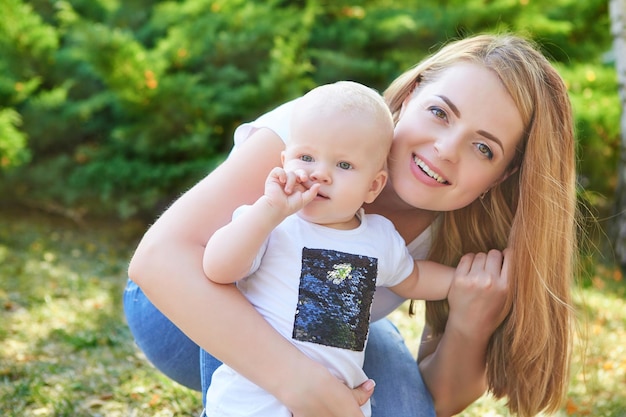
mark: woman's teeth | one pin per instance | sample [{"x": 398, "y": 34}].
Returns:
[{"x": 428, "y": 171}]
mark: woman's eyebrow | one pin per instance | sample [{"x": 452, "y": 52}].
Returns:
[
  {"x": 450, "y": 104},
  {"x": 491, "y": 137},
  {"x": 456, "y": 111}
]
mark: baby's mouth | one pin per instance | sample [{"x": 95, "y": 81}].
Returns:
[{"x": 432, "y": 174}]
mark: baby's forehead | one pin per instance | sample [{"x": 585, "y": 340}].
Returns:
[
  {"x": 344, "y": 98},
  {"x": 355, "y": 140}
]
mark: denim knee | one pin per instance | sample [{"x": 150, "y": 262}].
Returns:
[{"x": 165, "y": 346}]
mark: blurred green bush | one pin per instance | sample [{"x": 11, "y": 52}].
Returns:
[{"x": 112, "y": 108}]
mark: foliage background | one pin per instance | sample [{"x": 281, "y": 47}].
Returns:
[
  {"x": 113, "y": 108},
  {"x": 109, "y": 109}
]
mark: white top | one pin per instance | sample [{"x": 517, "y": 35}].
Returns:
[
  {"x": 278, "y": 120},
  {"x": 315, "y": 285}
]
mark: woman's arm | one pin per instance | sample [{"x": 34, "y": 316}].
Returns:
[
  {"x": 167, "y": 265},
  {"x": 453, "y": 364}
]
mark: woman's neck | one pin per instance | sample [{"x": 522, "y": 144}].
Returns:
[{"x": 408, "y": 220}]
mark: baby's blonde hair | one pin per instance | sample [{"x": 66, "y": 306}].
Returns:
[
  {"x": 349, "y": 98},
  {"x": 532, "y": 212}
]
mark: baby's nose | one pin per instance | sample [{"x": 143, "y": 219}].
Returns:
[{"x": 321, "y": 174}]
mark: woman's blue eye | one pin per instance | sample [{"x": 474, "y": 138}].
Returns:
[
  {"x": 306, "y": 158},
  {"x": 485, "y": 150},
  {"x": 344, "y": 165}
]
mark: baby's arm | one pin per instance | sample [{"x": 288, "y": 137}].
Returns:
[
  {"x": 229, "y": 253},
  {"x": 428, "y": 281}
]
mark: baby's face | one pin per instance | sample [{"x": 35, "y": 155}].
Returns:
[{"x": 345, "y": 157}]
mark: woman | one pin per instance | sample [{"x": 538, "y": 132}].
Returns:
[{"x": 482, "y": 158}]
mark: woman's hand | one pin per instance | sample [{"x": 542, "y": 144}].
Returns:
[
  {"x": 328, "y": 397},
  {"x": 478, "y": 294},
  {"x": 453, "y": 364}
]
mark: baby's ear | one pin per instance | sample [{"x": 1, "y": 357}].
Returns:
[
  {"x": 378, "y": 183},
  {"x": 282, "y": 158}
]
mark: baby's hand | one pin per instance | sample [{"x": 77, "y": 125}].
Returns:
[{"x": 287, "y": 190}]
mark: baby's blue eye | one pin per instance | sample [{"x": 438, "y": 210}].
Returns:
[
  {"x": 306, "y": 158},
  {"x": 344, "y": 165}
]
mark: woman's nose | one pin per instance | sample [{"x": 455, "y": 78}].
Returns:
[{"x": 447, "y": 148}]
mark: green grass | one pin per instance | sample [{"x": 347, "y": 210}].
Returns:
[{"x": 65, "y": 349}]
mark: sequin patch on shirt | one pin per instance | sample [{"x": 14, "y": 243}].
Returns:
[{"x": 334, "y": 298}]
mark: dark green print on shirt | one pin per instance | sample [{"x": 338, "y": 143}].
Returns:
[{"x": 334, "y": 299}]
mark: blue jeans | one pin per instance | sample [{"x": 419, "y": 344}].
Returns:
[{"x": 400, "y": 390}]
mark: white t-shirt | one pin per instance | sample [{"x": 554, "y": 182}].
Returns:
[
  {"x": 278, "y": 120},
  {"x": 315, "y": 286},
  {"x": 278, "y": 307}
]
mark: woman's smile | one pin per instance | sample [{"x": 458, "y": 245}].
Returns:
[{"x": 429, "y": 171}]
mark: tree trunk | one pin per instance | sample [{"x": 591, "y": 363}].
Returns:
[{"x": 617, "y": 11}]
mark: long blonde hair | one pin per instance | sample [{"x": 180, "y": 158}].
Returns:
[{"x": 532, "y": 212}]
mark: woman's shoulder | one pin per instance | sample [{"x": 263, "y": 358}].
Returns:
[{"x": 278, "y": 120}]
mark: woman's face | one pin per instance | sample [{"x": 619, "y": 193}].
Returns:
[{"x": 454, "y": 139}]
